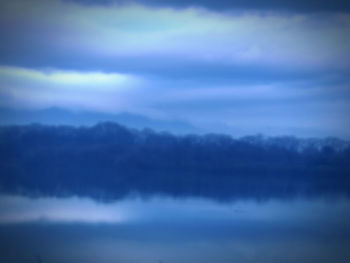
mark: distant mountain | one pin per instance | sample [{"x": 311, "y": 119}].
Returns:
[{"x": 58, "y": 116}]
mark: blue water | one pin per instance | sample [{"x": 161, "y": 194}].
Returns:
[{"x": 161, "y": 229}]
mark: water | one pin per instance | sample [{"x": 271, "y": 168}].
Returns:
[{"x": 167, "y": 230}]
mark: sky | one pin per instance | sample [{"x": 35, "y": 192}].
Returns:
[{"x": 239, "y": 67}]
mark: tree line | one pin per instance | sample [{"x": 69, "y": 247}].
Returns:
[{"x": 111, "y": 161}]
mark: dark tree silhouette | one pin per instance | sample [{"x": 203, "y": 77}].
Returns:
[{"x": 111, "y": 161}]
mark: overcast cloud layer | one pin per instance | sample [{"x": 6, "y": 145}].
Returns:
[
  {"x": 240, "y": 69},
  {"x": 285, "y": 5}
]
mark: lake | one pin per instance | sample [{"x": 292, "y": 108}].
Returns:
[{"x": 169, "y": 230}]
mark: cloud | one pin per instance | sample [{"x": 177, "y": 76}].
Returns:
[
  {"x": 21, "y": 87},
  {"x": 69, "y": 79},
  {"x": 289, "y": 5},
  {"x": 119, "y": 38}
]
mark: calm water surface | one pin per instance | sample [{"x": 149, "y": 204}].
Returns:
[{"x": 160, "y": 229}]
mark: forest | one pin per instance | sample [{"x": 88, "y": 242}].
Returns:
[{"x": 110, "y": 161}]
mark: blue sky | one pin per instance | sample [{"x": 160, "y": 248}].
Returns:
[{"x": 278, "y": 67}]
